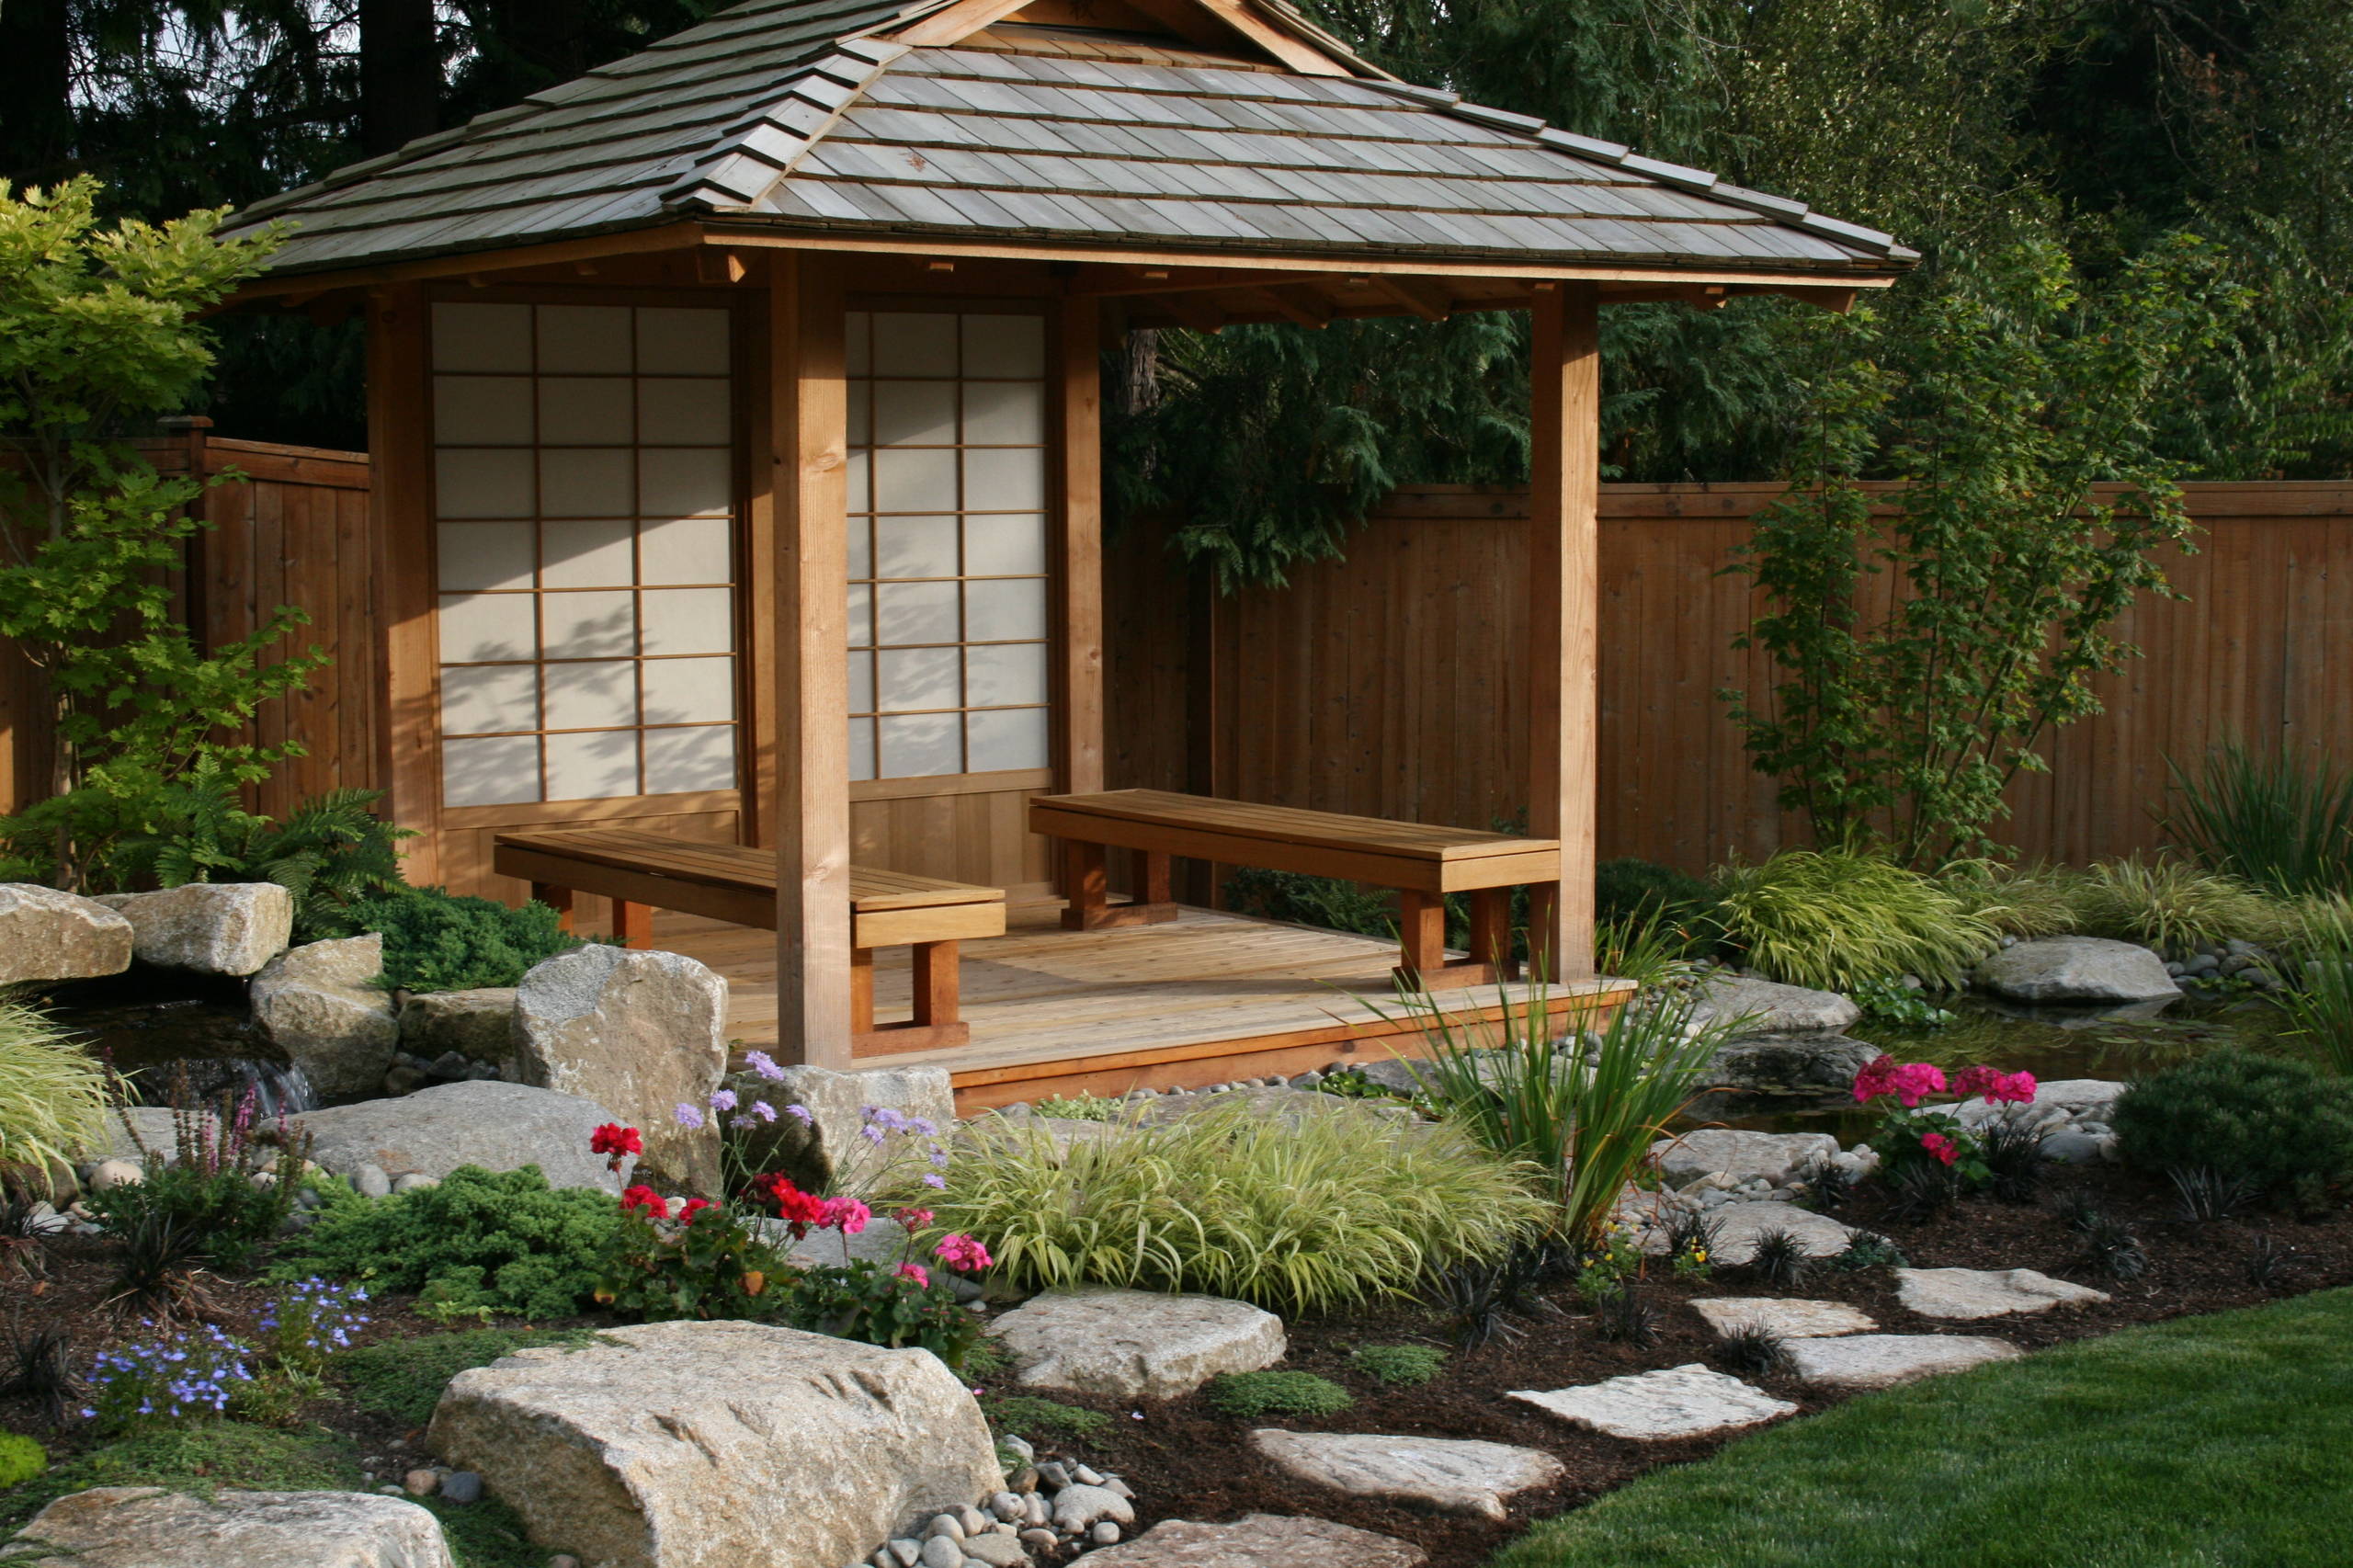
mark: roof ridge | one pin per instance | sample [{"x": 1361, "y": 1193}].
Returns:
[
  {"x": 760, "y": 149},
  {"x": 1796, "y": 214}
]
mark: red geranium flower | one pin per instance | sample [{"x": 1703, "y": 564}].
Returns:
[
  {"x": 692, "y": 1207},
  {"x": 643, "y": 1199},
  {"x": 1939, "y": 1145},
  {"x": 797, "y": 1209},
  {"x": 617, "y": 1140}
]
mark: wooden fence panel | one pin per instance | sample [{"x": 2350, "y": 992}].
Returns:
[{"x": 1382, "y": 684}]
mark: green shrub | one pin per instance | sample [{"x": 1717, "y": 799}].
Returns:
[
  {"x": 503, "y": 1241},
  {"x": 52, "y": 1093},
  {"x": 404, "y": 1378},
  {"x": 1338, "y": 1208},
  {"x": 21, "y": 1459},
  {"x": 201, "y": 1458},
  {"x": 2173, "y": 906},
  {"x": 1083, "y": 1107},
  {"x": 1252, "y": 1396},
  {"x": 1399, "y": 1366},
  {"x": 435, "y": 940},
  {"x": 1832, "y": 920},
  {"x": 2280, "y": 820},
  {"x": 1026, "y": 1415},
  {"x": 2281, "y": 1126},
  {"x": 1626, "y": 888}
]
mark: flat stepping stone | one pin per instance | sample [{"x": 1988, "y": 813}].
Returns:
[
  {"x": 1775, "y": 1158},
  {"x": 1136, "y": 1343},
  {"x": 1680, "y": 1402},
  {"x": 1739, "y": 1224},
  {"x": 1965, "y": 1293},
  {"x": 1459, "y": 1475},
  {"x": 1861, "y": 1361},
  {"x": 1783, "y": 1316},
  {"x": 1259, "y": 1540}
]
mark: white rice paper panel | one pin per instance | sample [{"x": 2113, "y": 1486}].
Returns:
[
  {"x": 861, "y": 547},
  {"x": 861, "y": 616},
  {"x": 862, "y": 681},
  {"x": 915, "y": 612},
  {"x": 595, "y": 695},
  {"x": 593, "y": 767},
  {"x": 483, "y": 555},
  {"x": 1005, "y": 737},
  {"x": 687, "y": 620},
  {"x": 914, "y": 679},
  {"x": 681, "y": 341},
  {"x": 481, "y": 628},
  {"x": 857, "y": 335},
  {"x": 587, "y": 411},
  {"x": 683, "y": 412},
  {"x": 915, "y": 547},
  {"x": 588, "y": 481},
  {"x": 1005, "y": 345},
  {"x": 478, "y": 699},
  {"x": 476, "y": 481},
  {"x": 915, "y": 479},
  {"x": 481, "y": 338},
  {"x": 687, "y": 550},
  {"x": 599, "y": 623},
  {"x": 689, "y": 692},
  {"x": 491, "y": 772},
  {"x": 585, "y": 339},
  {"x": 914, "y": 414},
  {"x": 482, "y": 411},
  {"x": 920, "y": 745},
  {"x": 861, "y": 750},
  {"x": 597, "y": 553},
  {"x": 1005, "y": 609},
  {"x": 909, "y": 344},
  {"x": 1005, "y": 479},
  {"x": 1005, "y": 414},
  {"x": 1011, "y": 545},
  {"x": 1005, "y": 675},
  {"x": 683, "y": 482},
  {"x": 861, "y": 413},
  {"x": 678, "y": 760}
]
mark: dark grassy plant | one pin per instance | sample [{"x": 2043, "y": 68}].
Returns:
[
  {"x": 1919, "y": 1190},
  {"x": 1829, "y": 1186},
  {"x": 1624, "y": 1316},
  {"x": 2205, "y": 1195},
  {"x": 1869, "y": 1249},
  {"x": 2268, "y": 1266},
  {"x": 1692, "y": 1232},
  {"x": 2108, "y": 1243},
  {"x": 156, "y": 1254},
  {"x": 2016, "y": 1166},
  {"x": 1779, "y": 1260},
  {"x": 1752, "y": 1350},
  {"x": 1476, "y": 1299},
  {"x": 38, "y": 1367},
  {"x": 2280, "y": 820}
]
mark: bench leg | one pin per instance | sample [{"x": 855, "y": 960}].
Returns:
[
  {"x": 934, "y": 1026},
  {"x": 633, "y": 923},
  {"x": 1491, "y": 932},
  {"x": 556, "y": 898},
  {"x": 1421, "y": 930},
  {"x": 1086, "y": 883},
  {"x": 1542, "y": 899}
]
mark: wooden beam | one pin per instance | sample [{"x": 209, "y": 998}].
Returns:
[
  {"x": 1195, "y": 312},
  {"x": 1425, "y": 300},
  {"x": 1298, "y": 305},
  {"x": 1564, "y": 492},
  {"x": 629, "y": 242},
  {"x": 1300, "y": 55},
  {"x": 400, "y": 522},
  {"x": 1078, "y": 760},
  {"x": 956, "y": 23},
  {"x": 808, "y": 486}
]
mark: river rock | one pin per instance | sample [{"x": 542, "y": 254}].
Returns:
[
  {"x": 46, "y": 935},
  {"x": 640, "y": 1032},
  {"x": 1678, "y": 1402},
  {"x": 705, "y": 1445},
  {"x": 1259, "y": 1540},
  {"x": 2076, "y": 969},
  {"x": 1781, "y": 1316},
  {"x": 209, "y": 927},
  {"x": 478, "y": 1024},
  {"x": 1772, "y": 1007},
  {"x": 1811, "y": 1060},
  {"x": 2084, "y": 1098},
  {"x": 1963, "y": 1293},
  {"x": 1860, "y": 1361},
  {"x": 500, "y": 1127},
  {"x": 146, "y": 1526},
  {"x": 1456, "y": 1475},
  {"x": 320, "y": 1004},
  {"x": 826, "y": 1152},
  {"x": 1774, "y": 1157},
  {"x": 1136, "y": 1343}
]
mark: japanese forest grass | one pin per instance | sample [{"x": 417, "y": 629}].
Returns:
[{"x": 1338, "y": 1207}]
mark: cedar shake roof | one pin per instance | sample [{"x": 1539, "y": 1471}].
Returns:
[{"x": 798, "y": 114}]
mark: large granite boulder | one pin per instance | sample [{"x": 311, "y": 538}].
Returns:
[
  {"x": 1259, "y": 1540},
  {"x": 145, "y": 1527},
  {"x": 1136, "y": 1343},
  {"x": 322, "y": 1004},
  {"x": 826, "y": 1151},
  {"x": 499, "y": 1127},
  {"x": 1776, "y": 1157},
  {"x": 1770, "y": 1007},
  {"x": 708, "y": 1445},
  {"x": 46, "y": 935},
  {"x": 209, "y": 927},
  {"x": 1808, "y": 1061},
  {"x": 641, "y": 1032},
  {"x": 478, "y": 1024},
  {"x": 2078, "y": 969}
]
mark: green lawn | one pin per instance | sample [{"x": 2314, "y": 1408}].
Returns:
[{"x": 2214, "y": 1442}]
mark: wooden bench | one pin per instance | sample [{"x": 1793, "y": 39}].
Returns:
[
  {"x": 645, "y": 871},
  {"x": 1423, "y": 864}
]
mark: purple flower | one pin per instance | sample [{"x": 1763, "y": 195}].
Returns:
[
  {"x": 764, "y": 1064},
  {"x": 764, "y": 1110},
  {"x": 722, "y": 1100},
  {"x": 934, "y": 1179},
  {"x": 802, "y": 1112},
  {"x": 689, "y": 1117}
]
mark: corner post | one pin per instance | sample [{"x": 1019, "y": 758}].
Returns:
[
  {"x": 1562, "y": 622},
  {"x": 1078, "y": 684},
  {"x": 400, "y": 523},
  {"x": 809, "y": 498}
]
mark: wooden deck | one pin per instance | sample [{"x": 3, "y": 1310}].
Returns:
[{"x": 1202, "y": 999}]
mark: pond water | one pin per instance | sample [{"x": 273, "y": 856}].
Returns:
[
  {"x": 155, "y": 1030},
  {"x": 2049, "y": 1042}
]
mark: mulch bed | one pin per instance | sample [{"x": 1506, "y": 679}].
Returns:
[{"x": 1186, "y": 1462}]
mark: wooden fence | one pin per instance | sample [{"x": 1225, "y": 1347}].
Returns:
[
  {"x": 292, "y": 530},
  {"x": 1384, "y": 684}
]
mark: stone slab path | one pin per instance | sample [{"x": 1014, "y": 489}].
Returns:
[
  {"x": 1136, "y": 1343},
  {"x": 1458, "y": 1475},
  {"x": 1861, "y": 1361},
  {"x": 1259, "y": 1540},
  {"x": 1680, "y": 1402},
  {"x": 1966, "y": 1294},
  {"x": 1784, "y": 1316},
  {"x": 1739, "y": 1224}
]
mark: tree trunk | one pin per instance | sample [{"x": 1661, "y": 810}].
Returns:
[
  {"x": 400, "y": 73},
  {"x": 36, "y": 84}
]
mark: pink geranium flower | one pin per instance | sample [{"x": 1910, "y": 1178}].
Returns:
[
  {"x": 916, "y": 1272},
  {"x": 1938, "y": 1144},
  {"x": 962, "y": 1252},
  {"x": 847, "y": 1215}
]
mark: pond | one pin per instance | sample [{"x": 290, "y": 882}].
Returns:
[
  {"x": 2049, "y": 1042},
  {"x": 153, "y": 1027}
]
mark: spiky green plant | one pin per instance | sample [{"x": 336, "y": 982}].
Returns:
[
  {"x": 2278, "y": 819},
  {"x": 2317, "y": 982},
  {"x": 1304, "y": 1214},
  {"x": 1834, "y": 919},
  {"x": 2173, "y": 906},
  {"x": 52, "y": 1094},
  {"x": 2014, "y": 901},
  {"x": 1583, "y": 1111}
]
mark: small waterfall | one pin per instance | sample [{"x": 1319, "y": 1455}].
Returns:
[{"x": 280, "y": 1088}]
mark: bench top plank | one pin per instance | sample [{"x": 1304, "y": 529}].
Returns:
[
  {"x": 1288, "y": 824},
  {"x": 739, "y": 867}
]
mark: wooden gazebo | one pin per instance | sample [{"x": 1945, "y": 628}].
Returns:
[{"x": 734, "y": 415}]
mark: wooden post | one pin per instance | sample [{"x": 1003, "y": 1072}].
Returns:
[
  {"x": 1565, "y": 483},
  {"x": 400, "y": 522},
  {"x": 807, "y": 503},
  {"x": 1077, "y": 685}
]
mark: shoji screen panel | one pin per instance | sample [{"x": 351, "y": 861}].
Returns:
[
  {"x": 948, "y": 601},
  {"x": 585, "y": 552}
]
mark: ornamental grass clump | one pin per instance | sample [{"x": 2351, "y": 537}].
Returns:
[
  {"x": 1831, "y": 920},
  {"x": 2173, "y": 906},
  {"x": 52, "y": 1093},
  {"x": 2280, "y": 820},
  {"x": 1337, "y": 1207}
]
